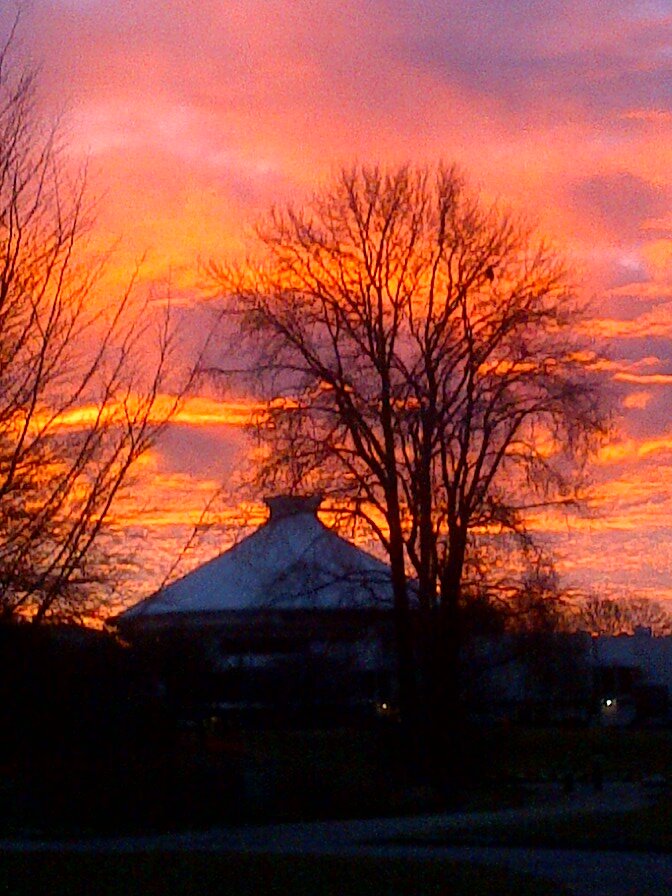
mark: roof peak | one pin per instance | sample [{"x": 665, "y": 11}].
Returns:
[{"x": 282, "y": 506}]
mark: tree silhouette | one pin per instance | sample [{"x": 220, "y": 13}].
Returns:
[
  {"x": 622, "y": 616},
  {"x": 420, "y": 359},
  {"x": 78, "y": 397}
]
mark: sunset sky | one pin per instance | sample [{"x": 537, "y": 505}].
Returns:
[{"x": 194, "y": 116}]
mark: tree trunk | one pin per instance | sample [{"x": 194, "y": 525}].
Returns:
[
  {"x": 446, "y": 710},
  {"x": 405, "y": 651}
]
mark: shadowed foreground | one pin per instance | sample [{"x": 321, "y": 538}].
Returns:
[{"x": 203, "y": 874}]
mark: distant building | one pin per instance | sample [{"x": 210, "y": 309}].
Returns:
[
  {"x": 633, "y": 676},
  {"x": 539, "y": 677},
  {"x": 295, "y": 623},
  {"x": 292, "y": 619},
  {"x": 575, "y": 678}
]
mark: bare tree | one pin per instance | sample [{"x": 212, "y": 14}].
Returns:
[
  {"x": 621, "y": 616},
  {"x": 79, "y": 401},
  {"x": 420, "y": 359}
]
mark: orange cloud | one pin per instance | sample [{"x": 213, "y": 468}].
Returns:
[
  {"x": 637, "y": 400},
  {"x": 631, "y": 449},
  {"x": 654, "y": 116},
  {"x": 644, "y": 379},
  {"x": 194, "y": 411}
]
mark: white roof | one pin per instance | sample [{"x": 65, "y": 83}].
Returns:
[{"x": 293, "y": 561}]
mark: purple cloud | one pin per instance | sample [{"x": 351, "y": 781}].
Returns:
[{"x": 619, "y": 204}]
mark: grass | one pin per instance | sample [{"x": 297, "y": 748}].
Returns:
[
  {"x": 543, "y": 753},
  {"x": 273, "y": 776},
  {"x": 648, "y": 829},
  {"x": 311, "y": 774},
  {"x": 360, "y": 773},
  {"x": 339, "y": 773},
  {"x": 204, "y": 874}
]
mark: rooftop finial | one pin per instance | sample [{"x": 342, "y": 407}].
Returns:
[{"x": 289, "y": 505}]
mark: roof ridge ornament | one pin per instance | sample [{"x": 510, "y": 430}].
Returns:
[{"x": 282, "y": 506}]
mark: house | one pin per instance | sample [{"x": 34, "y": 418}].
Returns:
[
  {"x": 292, "y": 619},
  {"x": 633, "y": 676},
  {"x": 573, "y": 678},
  {"x": 538, "y": 677}
]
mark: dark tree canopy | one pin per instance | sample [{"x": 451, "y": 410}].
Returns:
[
  {"x": 422, "y": 362},
  {"x": 622, "y": 616},
  {"x": 421, "y": 358}
]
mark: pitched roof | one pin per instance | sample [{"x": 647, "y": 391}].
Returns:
[{"x": 293, "y": 561}]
